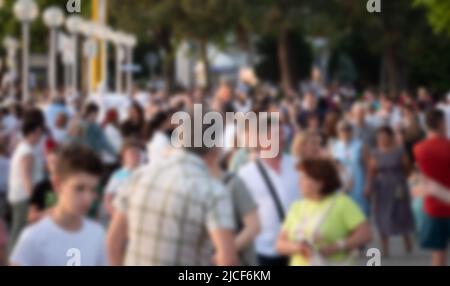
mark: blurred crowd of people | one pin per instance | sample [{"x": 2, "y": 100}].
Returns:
[{"x": 78, "y": 174}]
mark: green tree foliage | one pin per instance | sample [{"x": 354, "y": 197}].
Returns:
[
  {"x": 11, "y": 27},
  {"x": 168, "y": 22},
  {"x": 438, "y": 14}
]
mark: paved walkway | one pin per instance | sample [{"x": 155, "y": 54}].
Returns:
[{"x": 399, "y": 257}]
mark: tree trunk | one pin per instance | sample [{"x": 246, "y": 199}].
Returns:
[
  {"x": 165, "y": 40},
  {"x": 245, "y": 43},
  {"x": 392, "y": 71},
  {"x": 203, "y": 45},
  {"x": 284, "y": 60},
  {"x": 169, "y": 73}
]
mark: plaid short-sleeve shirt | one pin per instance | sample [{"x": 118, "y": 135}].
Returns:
[{"x": 171, "y": 206}]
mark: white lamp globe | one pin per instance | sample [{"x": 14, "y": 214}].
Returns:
[
  {"x": 73, "y": 24},
  {"x": 101, "y": 32},
  {"x": 131, "y": 41},
  {"x": 53, "y": 17},
  {"x": 26, "y": 10},
  {"x": 10, "y": 43},
  {"x": 119, "y": 38}
]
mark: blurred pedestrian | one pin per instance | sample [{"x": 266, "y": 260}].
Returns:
[
  {"x": 133, "y": 126},
  {"x": 326, "y": 226},
  {"x": 26, "y": 171},
  {"x": 92, "y": 134},
  {"x": 131, "y": 160},
  {"x": 174, "y": 213},
  {"x": 44, "y": 196},
  {"x": 4, "y": 177},
  {"x": 245, "y": 212},
  {"x": 3, "y": 243},
  {"x": 364, "y": 131},
  {"x": 112, "y": 129},
  {"x": 273, "y": 184},
  {"x": 389, "y": 190},
  {"x": 349, "y": 153},
  {"x": 50, "y": 241},
  {"x": 433, "y": 159}
]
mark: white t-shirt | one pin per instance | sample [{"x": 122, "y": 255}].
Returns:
[
  {"x": 158, "y": 146},
  {"x": 47, "y": 244},
  {"x": 288, "y": 190},
  {"x": 114, "y": 137},
  {"x": 17, "y": 192}
]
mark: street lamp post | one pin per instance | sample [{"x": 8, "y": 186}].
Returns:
[
  {"x": 26, "y": 11},
  {"x": 89, "y": 50},
  {"x": 73, "y": 25},
  {"x": 11, "y": 45},
  {"x": 131, "y": 42},
  {"x": 119, "y": 39},
  {"x": 53, "y": 18}
]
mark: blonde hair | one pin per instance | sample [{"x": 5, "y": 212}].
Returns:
[{"x": 298, "y": 144}]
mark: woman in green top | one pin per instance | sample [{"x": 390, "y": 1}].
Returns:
[{"x": 326, "y": 226}]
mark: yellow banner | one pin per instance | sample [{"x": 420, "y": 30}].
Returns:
[{"x": 98, "y": 64}]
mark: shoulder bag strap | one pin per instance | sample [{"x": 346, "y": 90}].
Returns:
[{"x": 272, "y": 191}]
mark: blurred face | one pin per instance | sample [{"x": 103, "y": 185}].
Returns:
[
  {"x": 310, "y": 101},
  {"x": 132, "y": 158},
  {"x": 369, "y": 96},
  {"x": 134, "y": 114},
  {"x": 312, "y": 147},
  {"x": 93, "y": 116},
  {"x": 313, "y": 123},
  {"x": 384, "y": 140},
  {"x": 310, "y": 187},
  {"x": 36, "y": 136},
  {"x": 77, "y": 193},
  {"x": 423, "y": 94},
  {"x": 359, "y": 114},
  {"x": 406, "y": 97},
  {"x": 240, "y": 96},
  {"x": 316, "y": 74},
  {"x": 387, "y": 104},
  {"x": 51, "y": 160},
  {"x": 345, "y": 134}
]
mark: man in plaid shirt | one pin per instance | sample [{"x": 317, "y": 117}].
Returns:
[{"x": 173, "y": 213}]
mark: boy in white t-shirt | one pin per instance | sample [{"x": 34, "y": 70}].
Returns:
[{"x": 66, "y": 237}]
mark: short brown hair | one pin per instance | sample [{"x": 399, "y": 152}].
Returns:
[
  {"x": 75, "y": 159},
  {"x": 434, "y": 119},
  {"x": 323, "y": 171},
  {"x": 130, "y": 144}
]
